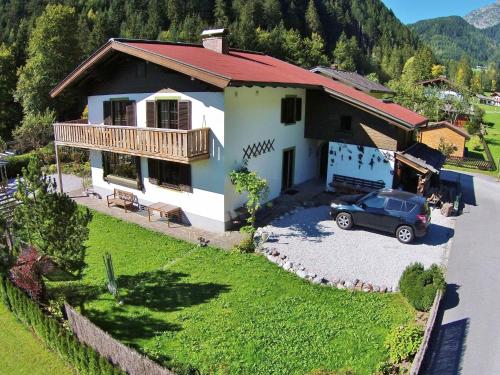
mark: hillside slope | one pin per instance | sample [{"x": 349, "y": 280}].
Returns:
[
  {"x": 485, "y": 17},
  {"x": 452, "y": 37}
]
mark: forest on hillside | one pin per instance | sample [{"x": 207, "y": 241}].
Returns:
[{"x": 360, "y": 35}]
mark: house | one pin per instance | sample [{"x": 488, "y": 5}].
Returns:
[
  {"x": 445, "y": 87},
  {"x": 434, "y": 133},
  {"x": 489, "y": 100},
  {"x": 355, "y": 80},
  {"x": 169, "y": 121}
]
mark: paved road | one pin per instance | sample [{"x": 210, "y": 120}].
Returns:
[{"x": 468, "y": 339}]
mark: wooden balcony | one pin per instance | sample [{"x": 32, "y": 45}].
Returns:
[{"x": 183, "y": 146}]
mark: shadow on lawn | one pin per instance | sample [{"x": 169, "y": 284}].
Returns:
[
  {"x": 163, "y": 290},
  {"x": 144, "y": 294}
]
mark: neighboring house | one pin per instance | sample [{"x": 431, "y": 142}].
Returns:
[
  {"x": 355, "y": 80},
  {"x": 489, "y": 100},
  {"x": 169, "y": 121},
  {"x": 433, "y": 134}
]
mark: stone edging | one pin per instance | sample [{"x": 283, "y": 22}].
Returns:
[{"x": 282, "y": 261}]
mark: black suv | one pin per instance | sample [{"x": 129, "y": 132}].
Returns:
[{"x": 404, "y": 214}]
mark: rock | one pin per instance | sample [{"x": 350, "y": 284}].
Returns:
[
  {"x": 288, "y": 266},
  {"x": 349, "y": 285},
  {"x": 356, "y": 281},
  {"x": 335, "y": 280},
  {"x": 366, "y": 288},
  {"x": 283, "y": 256},
  {"x": 316, "y": 280},
  {"x": 376, "y": 288},
  {"x": 383, "y": 289},
  {"x": 301, "y": 268},
  {"x": 324, "y": 281},
  {"x": 275, "y": 253},
  {"x": 301, "y": 273},
  {"x": 340, "y": 286}
]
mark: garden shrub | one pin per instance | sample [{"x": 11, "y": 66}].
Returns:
[
  {"x": 53, "y": 334},
  {"x": 403, "y": 342},
  {"x": 16, "y": 163},
  {"x": 420, "y": 286},
  {"x": 246, "y": 245}
]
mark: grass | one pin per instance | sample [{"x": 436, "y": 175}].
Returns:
[
  {"x": 22, "y": 354},
  {"x": 492, "y": 120},
  {"x": 227, "y": 313}
]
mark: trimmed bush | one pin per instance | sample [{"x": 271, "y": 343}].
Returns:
[
  {"x": 16, "y": 163},
  {"x": 403, "y": 342},
  {"x": 420, "y": 286},
  {"x": 55, "y": 337}
]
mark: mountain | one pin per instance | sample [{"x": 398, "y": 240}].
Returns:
[
  {"x": 452, "y": 37},
  {"x": 485, "y": 17},
  {"x": 493, "y": 32}
]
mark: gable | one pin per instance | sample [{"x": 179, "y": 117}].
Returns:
[{"x": 127, "y": 74}]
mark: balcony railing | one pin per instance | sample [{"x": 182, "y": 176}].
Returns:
[{"x": 183, "y": 146}]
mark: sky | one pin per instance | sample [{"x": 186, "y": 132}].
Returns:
[{"x": 410, "y": 11}]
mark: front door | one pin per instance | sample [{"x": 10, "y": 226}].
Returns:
[{"x": 288, "y": 169}]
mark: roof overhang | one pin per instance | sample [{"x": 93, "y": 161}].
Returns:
[
  {"x": 117, "y": 46},
  {"x": 422, "y": 158},
  {"x": 445, "y": 124},
  {"x": 374, "y": 111}
]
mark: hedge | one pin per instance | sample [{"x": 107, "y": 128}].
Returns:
[
  {"x": 420, "y": 285},
  {"x": 55, "y": 337},
  {"x": 16, "y": 163}
]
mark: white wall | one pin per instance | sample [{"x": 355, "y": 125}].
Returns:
[
  {"x": 344, "y": 159},
  {"x": 253, "y": 114},
  {"x": 204, "y": 206}
]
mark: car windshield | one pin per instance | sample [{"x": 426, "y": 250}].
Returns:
[{"x": 362, "y": 199}]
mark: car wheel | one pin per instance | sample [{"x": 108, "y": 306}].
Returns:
[
  {"x": 405, "y": 234},
  {"x": 344, "y": 220}
]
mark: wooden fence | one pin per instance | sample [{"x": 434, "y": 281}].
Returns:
[
  {"x": 472, "y": 163},
  {"x": 119, "y": 354},
  {"x": 419, "y": 357},
  {"x": 166, "y": 144}
]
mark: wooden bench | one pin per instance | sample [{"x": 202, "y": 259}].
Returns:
[
  {"x": 122, "y": 198},
  {"x": 358, "y": 184},
  {"x": 165, "y": 210}
]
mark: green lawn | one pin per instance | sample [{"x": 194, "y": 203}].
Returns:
[
  {"x": 21, "y": 353},
  {"x": 228, "y": 313}
]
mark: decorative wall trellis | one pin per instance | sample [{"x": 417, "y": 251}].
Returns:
[{"x": 257, "y": 149}]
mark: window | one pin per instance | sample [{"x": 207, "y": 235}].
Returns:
[
  {"x": 291, "y": 110},
  {"x": 170, "y": 174},
  {"x": 119, "y": 112},
  {"x": 346, "y": 123},
  {"x": 168, "y": 114},
  {"x": 408, "y": 206},
  {"x": 374, "y": 202},
  {"x": 119, "y": 165},
  {"x": 394, "y": 205}
]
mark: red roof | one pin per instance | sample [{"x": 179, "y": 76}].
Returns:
[
  {"x": 259, "y": 68},
  {"x": 240, "y": 67}
]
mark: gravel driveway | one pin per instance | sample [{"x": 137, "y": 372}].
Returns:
[{"x": 310, "y": 237}]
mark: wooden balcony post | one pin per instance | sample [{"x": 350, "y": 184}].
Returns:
[{"x": 59, "y": 175}]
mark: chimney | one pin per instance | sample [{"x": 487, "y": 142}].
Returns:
[{"x": 215, "y": 40}]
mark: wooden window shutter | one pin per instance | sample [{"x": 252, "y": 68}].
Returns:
[
  {"x": 283, "y": 110},
  {"x": 140, "y": 186},
  {"x": 184, "y": 114},
  {"x": 298, "y": 109},
  {"x": 153, "y": 171},
  {"x": 131, "y": 116},
  {"x": 106, "y": 112},
  {"x": 151, "y": 114},
  {"x": 185, "y": 178}
]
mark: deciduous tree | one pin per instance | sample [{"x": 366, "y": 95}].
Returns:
[{"x": 53, "y": 52}]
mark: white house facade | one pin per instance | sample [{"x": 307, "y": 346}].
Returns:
[{"x": 168, "y": 122}]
